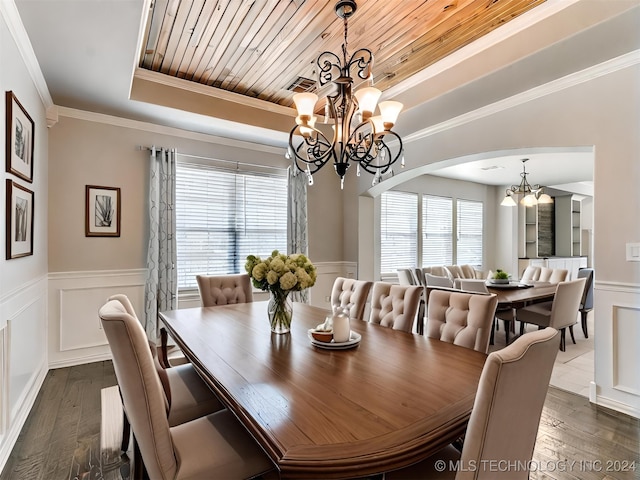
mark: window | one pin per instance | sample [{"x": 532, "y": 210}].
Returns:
[
  {"x": 469, "y": 245},
  {"x": 437, "y": 230},
  {"x": 428, "y": 230},
  {"x": 222, "y": 216},
  {"x": 398, "y": 231}
]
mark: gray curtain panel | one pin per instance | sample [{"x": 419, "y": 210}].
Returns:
[
  {"x": 297, "y": 241},
  {"x": 161, "y": 286}
]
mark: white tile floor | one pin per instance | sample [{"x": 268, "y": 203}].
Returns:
[{"x": 573, "y": 370}]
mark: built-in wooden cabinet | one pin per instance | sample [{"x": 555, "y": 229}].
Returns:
[
  {"x": 568, "y": 234},
  {"x": 530, "y": 232},
  {"x": 537, "y": 231}
]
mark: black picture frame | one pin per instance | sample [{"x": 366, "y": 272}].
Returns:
[
  {"x": 102, "y": 211},
  {"x": 19, "y": 218},
  {"x": 19, "y": 139}
]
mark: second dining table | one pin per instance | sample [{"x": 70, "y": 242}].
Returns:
[
  {"x": 516, "y": 295},
  {"x": 390, "y": 400}
]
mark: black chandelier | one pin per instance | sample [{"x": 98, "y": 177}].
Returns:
[
  {"x": 358, "y": 136},
  {"x": 531, "y": 195}
]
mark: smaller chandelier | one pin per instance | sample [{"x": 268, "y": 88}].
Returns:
[
  {"x": 358, "y": 135},
  {"x": 531, "y": 195}
]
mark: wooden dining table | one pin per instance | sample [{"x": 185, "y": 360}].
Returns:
[
  {"x": 516, "y": 295},
  {"x": 389, "y": 401}
]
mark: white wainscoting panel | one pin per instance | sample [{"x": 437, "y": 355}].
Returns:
[
  {"x": 626, "y": 351},
  {"x": 617, "y": 346},
  {"x": 23, "y": 357},
  {"x": 75, "y": 332}
]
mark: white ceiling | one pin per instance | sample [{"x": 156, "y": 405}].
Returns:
[
  {"x": 573, "y": 173},
  {"x": 88, "y": 50}
]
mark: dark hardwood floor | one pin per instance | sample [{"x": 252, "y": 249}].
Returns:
[{"x": 61, "y": 437}]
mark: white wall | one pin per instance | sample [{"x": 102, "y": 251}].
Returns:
[{"x": 23, "y": 281}]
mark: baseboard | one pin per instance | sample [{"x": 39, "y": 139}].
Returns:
[
  {"x": 15, "y": 428},
  {"x": 617, "y": 406},
  {"x": 72, "y": 362}
]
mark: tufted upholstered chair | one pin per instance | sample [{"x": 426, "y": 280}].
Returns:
[
  {"x": 464, "y": 319},
  {"x": 560, "y": 313},
  {"x": 215, "y": 290},
  {"x": 553, "y": 275},
  {"x": 395, "y": 306},
  {"x": 516, "y": 377},
  {"x": 212, "y": 446},
  {"x": 531, "y": 274},
  {"x": 224, "y": 289},
  {"x": 186, "y": 396},
  {"x": 351, "y": 293}
]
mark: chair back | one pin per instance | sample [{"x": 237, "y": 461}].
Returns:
[
  {"x": 395, "y": 306},
  {"x": 141, "y": 389},
  {"x": 224, "y": 289},
  {"x": 508, "y": 405},
  {"x": 153, "y": 348},
  {"x": 566, "y": 302},
  {"x": 454, "y": 271},
  {"x": 531, "y": 274},
  {"x": 437, "y": 270},
  {"x": 437, "y": 281},
  {"x": 587, "y": 297},
  {"x": 347, "y": 292},
  {"x": 470, "y": 285},
  {"x": 468, "y": 271},
  {"x": 558, "y": 275},
  {"x": 553, "y": 275},
  {"x": 463, "y": 319},
  {"x": 406, "y": 277},
  {"x": 545, "y": 274},
  {"x": 419, "y": 275}
]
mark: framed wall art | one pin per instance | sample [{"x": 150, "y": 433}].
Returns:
[
  {"x": 19, "y": 221},
  {"x": 19, "y": 141},
  {"x": 102, "y": 211}
]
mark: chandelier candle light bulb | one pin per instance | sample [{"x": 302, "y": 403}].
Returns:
[
  {"x": 531, "y": 195},
  {"x": 357, "y": 137}
]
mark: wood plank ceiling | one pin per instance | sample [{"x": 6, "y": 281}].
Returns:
[{"x": 263, "y": 48}]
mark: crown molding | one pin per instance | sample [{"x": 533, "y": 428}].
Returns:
[
  {"x": 11, "y": 16},
  {"x": 610, "y": 66},
  {"x": 210, "y": 91},
  {"x": 164, "y": 130}
]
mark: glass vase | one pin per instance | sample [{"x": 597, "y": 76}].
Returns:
[{"x": 280, "y": 311}]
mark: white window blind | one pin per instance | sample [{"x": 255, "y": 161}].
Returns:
[
  {"x": 437, "y": 230},
  {"x": 398, "y": 231},
  {"x": 222, "y": 216},
  {"x": 469, "y": 246}
]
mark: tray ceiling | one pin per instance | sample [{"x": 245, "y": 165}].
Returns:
[{"x": 263, "y": 49}]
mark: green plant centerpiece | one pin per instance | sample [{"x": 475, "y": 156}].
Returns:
[
  {"x": 500, "y": 277},
  {"x": 281, "y": 274}
]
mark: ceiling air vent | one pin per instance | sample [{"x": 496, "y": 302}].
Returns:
[{"x": 302, "y": 84}]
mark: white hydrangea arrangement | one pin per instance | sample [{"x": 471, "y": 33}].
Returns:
[{"x": 280, "y": 272}]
